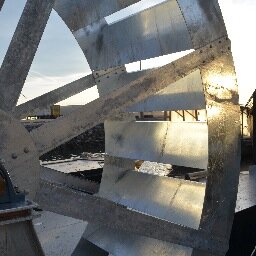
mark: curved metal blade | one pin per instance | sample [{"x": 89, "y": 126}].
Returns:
[
  {"x": 21, "y": 51},
  {"x": 185, "y": 94},
  {"x": 80, "y": 13},
  {"x": 174, "y": 200},
  {"x": 153, "y": 32},
  {"x": 177, "y": 143},
  {"x": 54, "y": 96}
]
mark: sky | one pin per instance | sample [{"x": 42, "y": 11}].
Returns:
[{"x": 59, "y": 60}]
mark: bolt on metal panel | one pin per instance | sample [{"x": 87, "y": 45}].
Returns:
[
  {"x": 117, "y": 79},
  {"x": 204, "y": 21},
  {"x": 154, "y": 32}
]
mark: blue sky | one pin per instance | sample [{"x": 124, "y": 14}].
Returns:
[{"x": 59, "y": 59}]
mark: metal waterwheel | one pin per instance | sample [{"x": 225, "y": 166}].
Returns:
[{"x": 134, "y": 213}]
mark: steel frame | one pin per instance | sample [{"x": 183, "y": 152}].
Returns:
[{"x": 212, "y": 56}]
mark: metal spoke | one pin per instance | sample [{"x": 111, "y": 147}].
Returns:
[
  {"x": 21, "y": 51},
  {"x": 54, "y": 96},
  {"x": 54, "y": 198},
  {"x": 63, "y": 129}
]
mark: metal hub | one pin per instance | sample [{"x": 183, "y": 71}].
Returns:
[{"x": 19, "y": 155}]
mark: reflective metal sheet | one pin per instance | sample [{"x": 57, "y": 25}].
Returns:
[
  {"x": 171, "y": 199},
  {"x": 181, "y": 143},
  {"x": 204, "y": 20},
  {"x": 80, "y": 13},
  {"x": 156, "y": 31},
  {"x": 185, "y": 94}
]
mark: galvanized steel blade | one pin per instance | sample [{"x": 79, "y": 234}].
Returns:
[
  {"x": 80, "y": 13},
  {"x": 157, "y": 31},
  {"x": 63, "y": 129},
  {"x": 204, "y": 20},
  {"x": 173, "y": 200},
  {"x": 1, "y": 4},
  {"x": 177, "y": 143},
  {"x": 21, "y": 51},
  {"x": 52, "y": 97},
  {"x": 107, "y": 213},
  {"x": 185, "y": 94}
]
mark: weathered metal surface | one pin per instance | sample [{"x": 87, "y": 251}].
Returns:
[
  {"x": 204, "y": 21},
  {"x": 80, "y": 13},
  {"x": 107, "y": 213},
  {"x": 52, "y": 97},
  {"x": 224, "y": 146},
  {"x": 186, "y": 94},
  {"x": 174, "y": 200},
  {"x": 19, "y": 239},
  {"x": 21, "y": 51},
  {"x": 141, "y": 36},
  {"x": 63, "y": 129},
  {"x": 71, "y": 181},
  {"x": 19, "y": 154},
  {"x": 169, "y": 27},
  {"x": 181, "y": 143}
]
